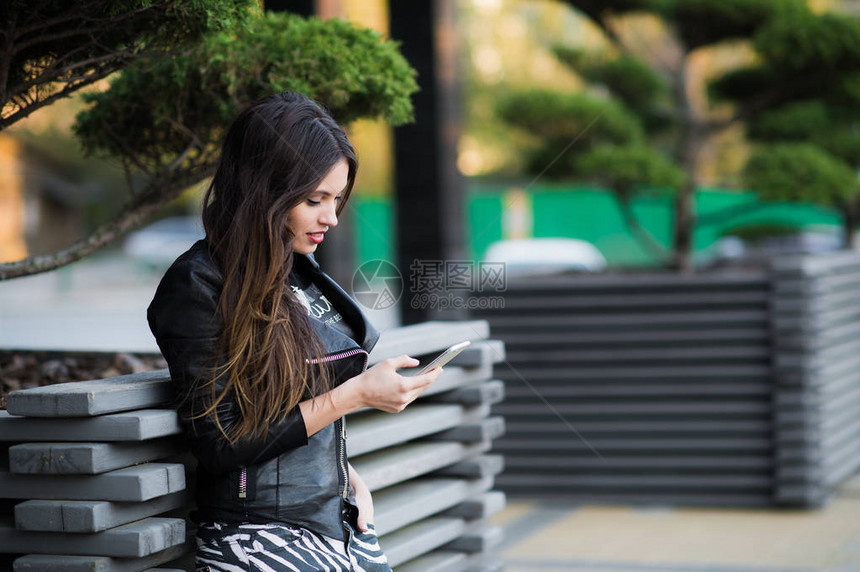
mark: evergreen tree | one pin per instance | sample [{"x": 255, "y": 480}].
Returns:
[
  {"x": 185, "y": 70},
  {"x": 802, "y": 101},
  {"x": 665, "y": 129}
]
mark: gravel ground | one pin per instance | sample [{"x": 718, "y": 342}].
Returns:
[{"x": 22, "y": 370}]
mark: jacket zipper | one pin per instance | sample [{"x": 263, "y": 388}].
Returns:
[
  {"x": 243, "y": 483},
  {"x": 340, "y": 426},
  {"x": 341, "y": 457},
  {"x": 341, "y": 355}
]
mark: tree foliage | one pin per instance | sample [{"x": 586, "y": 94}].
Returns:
[
  {"x": 564, "y": 125},
  {"x": 807, "y": 130},
  {"x": 803, "y": 87},
  {"x": 628, "y": 77},
  {"x": 701, "y": 23},
  {"x": 182, "y": 81},
  {"x": 52, "y": 48},
  {"x": 159, "y": 114},
  {"x": 801, "y": 172},
  {"x": 797, "y": 41},
  {"x": 830, "y": 127},
  {"x": 597, "y": 138},
  {"x": 630, "y": 80},
  {"x": 626, "y": 168}
]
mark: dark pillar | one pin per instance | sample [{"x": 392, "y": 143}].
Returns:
[{"x": 428, "y": 190}]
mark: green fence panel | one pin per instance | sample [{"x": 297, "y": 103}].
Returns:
[
  {"x": 484, "y": 212},
  {"x": 721, "y": 210},
  {"x": 592, "y": 215},
  {"x": 373, "y": 229}
]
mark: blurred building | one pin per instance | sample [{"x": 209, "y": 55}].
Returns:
[
  {"x": 12, "y": 243},
  {"x": 40, "y": 211}
]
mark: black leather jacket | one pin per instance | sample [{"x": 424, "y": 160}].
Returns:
[{"x": 285, "y": 476}]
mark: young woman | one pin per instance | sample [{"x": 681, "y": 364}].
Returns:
[{"x": 268, "y": 354}]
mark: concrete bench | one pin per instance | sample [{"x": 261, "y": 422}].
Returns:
[{"x": 93, "y": 476}]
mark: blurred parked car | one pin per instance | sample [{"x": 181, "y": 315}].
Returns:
[
  {"x": 160, "y": 243},
  {"x": 807, "y": 240},
  {"x": 532, "y": 256}
]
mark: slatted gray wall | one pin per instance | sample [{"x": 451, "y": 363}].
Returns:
[
  {"x": 638, "y": 388},
  {"x": 733, "y": 388},
  {"x": 817, "y": 374},
  {"x": 92, "y": 476}
]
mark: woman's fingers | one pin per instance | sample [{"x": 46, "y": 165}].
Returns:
[
  {"x": 429, "y": 377},
  {"x": 383, "y": 388},
  {"x": 419, "y": 383},
  {"x": 402, "y": 361},
  {"x": 365, "y": 513},
  {"x": 365, "y": 510}
]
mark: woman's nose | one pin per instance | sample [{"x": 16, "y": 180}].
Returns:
[{"x": 329, "y": 216}]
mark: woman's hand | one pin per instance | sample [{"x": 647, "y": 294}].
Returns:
[
  {"x": 362, "y": 499},
  {"x": 381, "y": 387}
]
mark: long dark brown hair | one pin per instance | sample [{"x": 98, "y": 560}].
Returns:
[{"x": 275, "y": 155}]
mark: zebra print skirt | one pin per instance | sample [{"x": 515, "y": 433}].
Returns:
[{"x": 278, "y": 547}]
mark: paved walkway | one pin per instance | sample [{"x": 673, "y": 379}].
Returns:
[
  {"x": 554, "y": 538},
  {"x": 97, "y": 304}
]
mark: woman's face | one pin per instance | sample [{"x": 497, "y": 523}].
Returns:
[{"x": 310, "y": 219}]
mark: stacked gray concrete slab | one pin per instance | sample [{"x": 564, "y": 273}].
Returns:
[
  {"x": 639, "y": 388},
  {"x": 97, "y": 474},
  {"x": 817, "y": 374},
  {"x": 730, "y": 387}
]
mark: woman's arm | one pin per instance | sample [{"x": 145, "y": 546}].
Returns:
[
  {"x": 362, "y": 499},
  {"x": 380, "y": 387}
]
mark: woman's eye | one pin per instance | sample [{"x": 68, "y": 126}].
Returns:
[{"x": 313, "y": 202}]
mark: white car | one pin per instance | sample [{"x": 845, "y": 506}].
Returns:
[
  {"x": 533, "y": 256},
  {"x": 160, "y": 243},
  {"x": 810, "y": 239}
]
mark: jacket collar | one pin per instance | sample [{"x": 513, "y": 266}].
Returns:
[{"x": 334, "y": 340}]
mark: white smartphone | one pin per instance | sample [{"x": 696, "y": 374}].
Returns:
[{"x": 441, "y": 359}]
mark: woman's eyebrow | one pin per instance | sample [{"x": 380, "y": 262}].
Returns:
[{"x": 327, "y": 193}]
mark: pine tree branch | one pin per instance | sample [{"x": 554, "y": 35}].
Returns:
[
  {"x": 25, "y": 110},
  {"x": 649, "y": 244},
  {"x": 40, "y": 39},
  {"x": 56, "y": 74},
  {"x": 81, "y": 7}
]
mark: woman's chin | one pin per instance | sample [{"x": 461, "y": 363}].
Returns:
[{"x": 304, "y": 248}]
